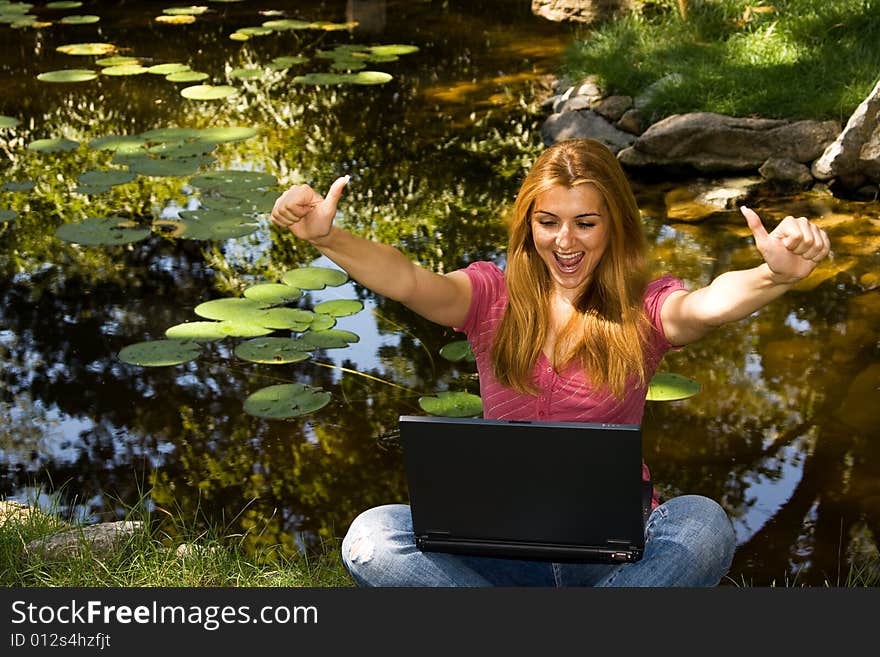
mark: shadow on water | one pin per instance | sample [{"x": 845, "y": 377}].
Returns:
[{"x": 783, "y": 434}]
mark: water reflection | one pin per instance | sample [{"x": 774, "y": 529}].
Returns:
[{"x": 784, "y": 432}]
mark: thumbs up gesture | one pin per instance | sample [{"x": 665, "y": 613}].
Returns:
[
  {"x": 307, "y": 214},
  {"x": 793, "y": 249}
]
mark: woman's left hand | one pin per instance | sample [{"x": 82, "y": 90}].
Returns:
[{"x": 793, "y": 249}]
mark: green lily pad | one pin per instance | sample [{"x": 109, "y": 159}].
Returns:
[
  {"x": 17, "y": 186},
  {"x": 339, "y": 307},
  {"x": 192, "y": 10},
  {"x": 170, "y": 134},
  {"x": 159, "y": 353},
  {"x": 8, "y": 121},
  {"x": 224, "y": 135},
  {"x": 187, "y": 76},
  {"x": 254, "y": 31},
  {"x": 452, "y": 404},
  {"x": 117, "y": 60},
  {"x": 281, "y": 63},
  {"x": 458, "y": 351},
  {"x": 286, "y": 400},
  {"x": 169, "y": 68},
  {"x": 314, "y": 278},
  {"x": 95, "y": 231},
  {"x": 293, "y": 319},
  {"x": 118, "y": 143},
  {"x": 272, "y": 294},
  {"x": 90, "y": 190},
  {"x": 666, "y": 386},
  {"x": 229, "y": 308},
  {"x": 85, "y": 19},
  {"x": 203, "y": 331},
  {"x": 328, "y": 339},
  {"x": 101, "y": 178},
  {"x": 7, "y": 215},
  {"x": 208, "y": 92},
  {"x": 233, "y": 179},
  {"x": 87, "y": 49},
  {"x": 71, "y": 4},
  {"x": 393, "y": 49},
  {"x": 69, "y": 75},
  {"x": 287, "y": 24},
  {"x": 56, "y": 145},
  {"x": 272, "y": 351},
  {"x": 216, "y": 230},
  {"x": 124, "y": 69},
  {"x": 322, "y": 322}
]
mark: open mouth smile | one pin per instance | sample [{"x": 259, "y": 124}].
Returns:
[{"x": 569, "y": 262}]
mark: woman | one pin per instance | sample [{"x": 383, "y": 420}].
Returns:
[{"x": 572, "y": 330}]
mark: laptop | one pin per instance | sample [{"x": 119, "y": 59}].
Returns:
[{"x": 560, "y": 491}]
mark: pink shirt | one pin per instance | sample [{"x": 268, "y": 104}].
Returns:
[{"x": 566, "y": 396}]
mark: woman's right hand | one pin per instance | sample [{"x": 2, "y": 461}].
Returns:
[{"x": 306, "y": 213}]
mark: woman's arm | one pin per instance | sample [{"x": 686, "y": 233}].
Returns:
[
  {"x": 443, "y": 299},
  {"x": 791, "y": 252}
]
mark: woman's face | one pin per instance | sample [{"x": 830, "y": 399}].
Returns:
[{"x": 570, "y": 231}]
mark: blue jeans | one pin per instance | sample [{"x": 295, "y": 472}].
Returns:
[{"x": 689, "y": 541}]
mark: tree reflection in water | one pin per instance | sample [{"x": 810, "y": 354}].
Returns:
[{"x": 782, "y": 434}]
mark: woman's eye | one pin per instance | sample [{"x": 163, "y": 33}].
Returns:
[{"x": 585, "y": 224}]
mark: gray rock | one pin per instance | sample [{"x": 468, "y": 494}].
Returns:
[
  {"x": 632, "y": 122},
  {"x": 100, "y": 539},
  {"x": 855, "y": 154},
  {"x": 786, "y": 174},
  {"x": 613, "y": 107},
  {"x": 584, "y": 123},
  {"x": 717, "y": 143},
  {"x": 579, "y": 11}
]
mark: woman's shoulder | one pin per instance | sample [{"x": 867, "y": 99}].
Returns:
[{"x": 663, "y": 283}]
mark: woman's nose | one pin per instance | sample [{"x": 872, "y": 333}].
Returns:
[{"x": 565, "y": 237}]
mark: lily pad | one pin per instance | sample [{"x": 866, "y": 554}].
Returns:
[
  {"x": 233, "y": 179},
  {"x": 69, "y": 4},
  {"x": 169, "y": 68},
  {"x": 17, "y": 186},
  {"x": 294, "y": 319},
  {"x": 458, "y": 351},
  {"x": 87, "y": 49},
  {"x": 101, "y": 178},
  {"x": 287, "y": 24},
  {"x": 272, "y": 351},
  {"x": 8, "y": 121},
  {"x": 216, "y": 230},
  {"x": 164, "y": 167},
  {"x": 272, "y": 294},
  {"x": 85, "y": 19},
  {"x": 328, "y": 339},
  {"x": 666, "y": 386},
  {"x": 178, "y": 19},
  {"x": 339, "y": 307},
  {"x": 192, "y": 10},
  {"x": 322, "y": 322},
  {"x": 314, "y": 278},
  {"x": 246, "y": 73},
  {"x": 117, "y": 60},
  {"x": 452, "y": 404},
  {"x": 202, "y": 331},
  {"x": 124, "y": 70},
  {"x": 94, "y": 231},
  {"x": 170, "y": 134},
  {"x": 56, "y": 145},
  {"x": 69, "y": 75},
  {"x": 223, "y": 135},
  {"x": 281, "y": 63},
  {"x": 186, "y": 76},
  {"x": 229, "y": 308},
  {"x": 7, "y": 215},
  {"x": 159, "y": 353},
  {"x": 118, "y": 143},
  {"x": 208, "y": 92},
  {"x": 286, "y": 400}
]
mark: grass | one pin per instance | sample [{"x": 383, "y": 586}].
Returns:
[
  {"x": 796, "y": 59},
  {"x": 149, "y": 558}
]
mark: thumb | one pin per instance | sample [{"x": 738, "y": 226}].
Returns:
[
  {"x": 755, "y": 224},
  {"x": 335, "y": 192}
]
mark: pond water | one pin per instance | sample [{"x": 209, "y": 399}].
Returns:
[{"x": 784, "y": 432}]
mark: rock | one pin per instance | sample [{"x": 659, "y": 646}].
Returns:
[
  {"x": 786, "y": 174},
  {"x": 15, "y": 512},
  {"x": 613, "y": 107},
  {"x": 632, "y": 122},
  {"x": 713, "y": 143},
  {"x": 584, "y": 123},
  {"x": 855, "y": 155},
  {"x": 702, "y": 198},
  {"x": 100, "y": 539},
  {"x": 579, "y": 11}
]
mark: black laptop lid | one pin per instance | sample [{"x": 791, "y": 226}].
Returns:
[{"x": 558, "y": 490}]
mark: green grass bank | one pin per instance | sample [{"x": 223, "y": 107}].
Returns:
[{"x": 787, "y": 59}]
